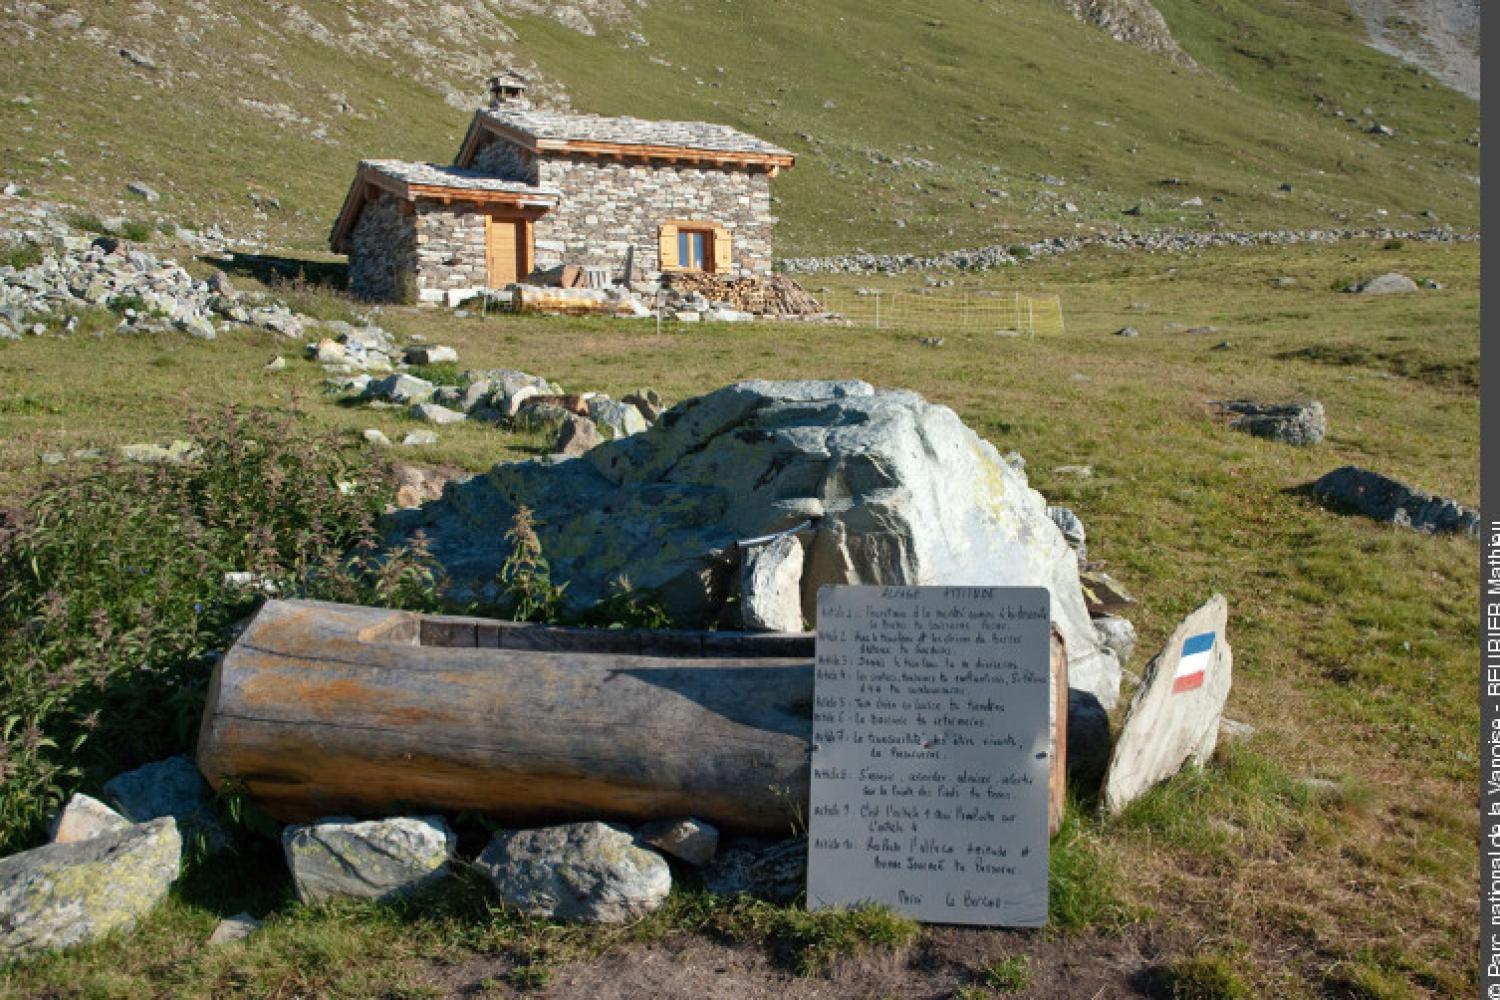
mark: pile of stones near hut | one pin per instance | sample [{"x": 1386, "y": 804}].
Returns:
[{"x": 149, "y": 294}]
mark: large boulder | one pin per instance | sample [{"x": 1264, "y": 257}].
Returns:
[
  {"x": 1300, "y": 423},
  {"x": 584, "y": 872},
  {"x": 378, "y": 859},
  {"x": 898, "y": 491},
  {"x": 1385, "y": 284},
  {"x": 66, "y": 894}
]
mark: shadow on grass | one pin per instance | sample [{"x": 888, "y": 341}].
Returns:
[{"x": 270, "y": 269}]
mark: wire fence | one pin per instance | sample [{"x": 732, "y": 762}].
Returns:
[{"x": 986, "y": 312}]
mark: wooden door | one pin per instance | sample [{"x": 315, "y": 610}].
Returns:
[{"x": 507, "y": 250}]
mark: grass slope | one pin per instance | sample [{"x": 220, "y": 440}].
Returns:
[{"x": 993, "y": 95}]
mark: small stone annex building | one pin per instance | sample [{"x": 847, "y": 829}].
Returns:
[{"x": 531, "y": 190}]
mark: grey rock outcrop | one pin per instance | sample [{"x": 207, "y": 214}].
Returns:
[
  {"x": 1387, "y": 499},
  {"x": 171, "y": 787},
  {"x": 62, "y": 895},
  {"x": 1174, "y": 716},
  {"x": 1118, "y": 634},
  {"x": 1302, "y": 423},
  {"x": 904, "y": 493},
  {"x": 580, "y": 872},
  {"x": 377, "y": 859}
]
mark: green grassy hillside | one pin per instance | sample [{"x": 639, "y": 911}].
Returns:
[{"x": 943, "y": 116}]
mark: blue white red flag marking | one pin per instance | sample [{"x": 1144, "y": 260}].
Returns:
[{"x": 1193, "y": 663}]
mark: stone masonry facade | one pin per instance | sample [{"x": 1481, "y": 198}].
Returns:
[
  {"x": 450, "y": 248},
  {"x": 609, "y": 206},
  {"x": 383, "y": 252}
]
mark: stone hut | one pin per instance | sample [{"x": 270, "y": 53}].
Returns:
[{"x": 531, "y": 190}]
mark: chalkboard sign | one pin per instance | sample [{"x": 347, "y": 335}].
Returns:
[{"x": 930, "y": 753}]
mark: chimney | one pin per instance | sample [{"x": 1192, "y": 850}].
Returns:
[{"x": 508, "y": 90}]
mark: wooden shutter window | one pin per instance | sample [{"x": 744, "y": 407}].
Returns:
[
  {"x": 723, "y": 256},
  {"x": 666, "y": 248}
]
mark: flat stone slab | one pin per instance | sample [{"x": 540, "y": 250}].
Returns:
[
  {"x": 581, "y": 872},
  {"x": 1174, "y": 716},
  {"x": 62, "y": 895},
  {"x": 376, "y": 859}
]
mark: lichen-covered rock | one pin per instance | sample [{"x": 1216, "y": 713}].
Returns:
[
  {"x": 376, "y": 859},
  {"x": 66, "y": 894},
  {"x": 171, "y": 787},
  {"x": 400, "y": 388},
  {"x": 83, "y": 817},
  {"x": 584, "y": 872},
  {"x": 615, "y": 418},
  {"x": 1385, "y": 284},
  {"x": 903, "y": 493},
  {"x": 777, "y": 871}
]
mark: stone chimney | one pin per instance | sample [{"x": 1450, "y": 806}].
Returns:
[{"x": 508, "y": 90}]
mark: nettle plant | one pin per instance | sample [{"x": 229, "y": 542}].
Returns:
[{"x": 114, "y": 603}]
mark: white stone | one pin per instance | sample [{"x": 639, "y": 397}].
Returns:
[
  {"x": 1165, "y": 727},
  {"x": 235, "y": 928},
  {"x": 414, "y": 438},
  {"x": 432, "y": 413},
  {"x": 771, "y": 586}
]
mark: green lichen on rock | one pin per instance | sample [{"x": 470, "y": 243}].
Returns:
[
  {"x": 66, "y": 894},
  {"x": 379, "y": 859}
]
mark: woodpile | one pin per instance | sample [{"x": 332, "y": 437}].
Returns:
[{"x": 774, "y": 295}]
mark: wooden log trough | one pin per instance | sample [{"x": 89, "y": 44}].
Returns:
[{"x": 321, "y": 709}]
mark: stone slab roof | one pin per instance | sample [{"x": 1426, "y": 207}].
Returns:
[
  {"x": 559, "y": 127},
  {"x": 435, "y": 175}
]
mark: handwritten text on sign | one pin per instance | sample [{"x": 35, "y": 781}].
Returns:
[{"x": 930, "y": 752}]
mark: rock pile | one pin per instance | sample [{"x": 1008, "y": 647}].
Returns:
[
  {"x": 1161, "y": 241},
  {"x": 150, "y": 295}
]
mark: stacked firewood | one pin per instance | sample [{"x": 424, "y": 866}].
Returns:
[{"x": 772, "y": 295}]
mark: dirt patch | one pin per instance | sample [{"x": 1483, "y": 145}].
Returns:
[{"x": 1086, "y": 964}]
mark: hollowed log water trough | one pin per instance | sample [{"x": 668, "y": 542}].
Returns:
[{"x": 320, "y": 709}]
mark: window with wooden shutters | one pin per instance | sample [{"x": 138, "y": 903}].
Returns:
[{"x": 687, "y": 245}]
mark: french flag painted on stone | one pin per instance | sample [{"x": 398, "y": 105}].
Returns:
[{"x": 1197, "y": 651}]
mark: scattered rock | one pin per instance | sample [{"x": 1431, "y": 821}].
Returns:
[
  {"x": 1235, "y": 732},
  {"x": 690, "y": 840},
  {"x": 1088, "y": 739},
  {"x": 138, "y": 58},
  {"x": 777, "y": 872},
  {"x": 581, "y": 872},
  {"x": 1102, "y": 593},
  {"x": 1174, "y": 716},
  {"x": 276, "y": 364},
  {"x": 417, "y": 438},
  {"x": 171, "y": 787},
  {"x": 66, "y": 894},
  {"x": 1385, "y": 284},
  {"x": 235, "y": 928},
  {"x": 432, "y": 413},
  {"x": 400, "y": 388},
  {"x": 1301, "y": 423},
  {"x": 375, "y": 436},
  {"x": 1285, "y": 281},
  {"x": 1127, "y": 331},
  {"x": 615, "y": 418},
  {"x": 1222, "y": 345},
  {"x": 771, "y": 585},
  {"x": 84, "y": 817},
  {"x": 339, "y": 858},
  {"x": 430, "y": 354},
  {"x": 1117, "y": 634},
  {"x": 1074, "y": 471},
  {"x": 1390, "y": 500},
  {"x": 576, "y": 436}
]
